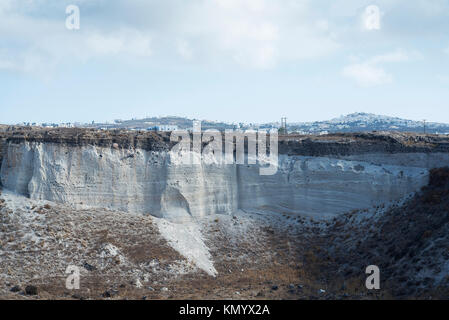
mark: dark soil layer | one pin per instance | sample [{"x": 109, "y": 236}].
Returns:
[{"x": 332, "y": 144}]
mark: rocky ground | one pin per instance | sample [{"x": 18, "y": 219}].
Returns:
[{"x": 124, "y": 256}]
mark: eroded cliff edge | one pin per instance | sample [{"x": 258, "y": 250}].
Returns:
[{"x": 134, "y": 171}]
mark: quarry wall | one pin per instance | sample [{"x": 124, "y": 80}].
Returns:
[{"x": 144, "y": 177}]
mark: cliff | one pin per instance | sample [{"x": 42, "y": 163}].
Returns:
[{"x": 318, "y": 176}]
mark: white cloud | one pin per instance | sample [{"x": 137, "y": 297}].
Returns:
[
  {"x": 371, "y": 72},
  {"x": 397, "y": 56},
  {"x": 37, "y": 45},
  {"x": 443, "y": 78},
  {"x": 250, "y": 33},
  {"x": 371, "y": 18},
  {"x": 6, "y": 64},
  {"x": 367, "y": 75},
  {"x": 185, "y": 49},
  {"x": 125, "y": 41}
]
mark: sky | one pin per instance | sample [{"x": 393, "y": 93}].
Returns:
[{"x": 229, "y": 60}]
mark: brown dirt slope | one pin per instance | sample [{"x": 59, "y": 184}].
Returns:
[{"x": 409, "y": 242}]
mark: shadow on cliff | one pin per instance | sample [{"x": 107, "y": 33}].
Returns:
[{"x": 408, "y": 242}]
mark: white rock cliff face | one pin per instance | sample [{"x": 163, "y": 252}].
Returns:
[{"x": 154, "y": 183}]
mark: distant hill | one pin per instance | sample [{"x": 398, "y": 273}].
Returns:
[
  {"x": 180, "y": 122},
  {"x": 363, "y": 122},
  {"x": 355, "y": 122}
]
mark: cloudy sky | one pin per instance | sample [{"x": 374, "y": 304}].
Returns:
[{"x": 232, "y": 60}]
